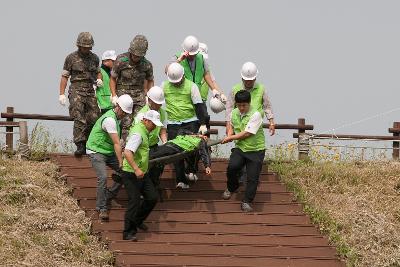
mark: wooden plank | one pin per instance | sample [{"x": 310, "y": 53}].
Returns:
[{"x": 9, "y": 124}]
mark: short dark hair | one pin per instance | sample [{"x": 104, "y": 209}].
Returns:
[{"x": 243, "y": 96}]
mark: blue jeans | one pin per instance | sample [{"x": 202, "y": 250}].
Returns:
[{"x": 99, "y": 163}]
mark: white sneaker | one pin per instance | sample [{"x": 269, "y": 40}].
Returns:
[
  {"x": 192, "y": 177},
  {"x": 227, "y": 194},
  {"x": 182, "y": 185}
]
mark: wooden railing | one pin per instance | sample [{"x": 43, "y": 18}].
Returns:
[
  {"x": 303, "y": 137},
  {"x": 10, "y": 115}
]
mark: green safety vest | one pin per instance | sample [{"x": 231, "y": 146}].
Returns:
[
  {"x": 255, "y": 142},
  {"x": 198, "y": 75},
  {"x": 141, "y": 155},
  {"x": 103, "y": 93},
  {"x": 99, "y": 140},
  {"x": 178, "y": 100},
  {"x": 186, "y": 142},
  {"x": 204, "y": 90},
  {"x": 154, "y": 135},
  {"x": 256, "y": 96}
]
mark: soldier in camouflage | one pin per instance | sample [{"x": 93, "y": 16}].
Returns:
[
  {"x": 132, "y": 74},
  {"x": 83, "y": 69}
]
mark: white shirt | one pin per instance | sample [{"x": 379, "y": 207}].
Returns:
[
  {"x": 196, "y": 99},
  {"x": 134, "y": 142},
  {"x": 109, "y": 125},
  {"x": 255, "y": 122}
]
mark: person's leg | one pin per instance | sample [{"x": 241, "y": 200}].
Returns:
[
  {"x": 192, "y": 161},
  {"x": 77, "y": 111},
  {"x": 172, "y": 130},
  {"x": 179, "y": 166},
  {"x": 99, "y": 164},
  {"x": 150, "y": 198},
  {"x": 254, "y": 162},
  {"x": 92, "y": 113},
  {"x": 236, "y": 163},
  {"x": 130, "y": 182},
  {"x": 112, "y": 192}
]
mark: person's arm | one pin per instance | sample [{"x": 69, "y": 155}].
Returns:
[
  {"x": 199, "y": 106},
  {"x": 229, "y": 107},
  {"x": 113, "y": 86},
  {"x": 149, "y": 77},
  {"x": 131, "y": 147},
  {"x": 63, "y": 84},
  {"x": 229, "y": 129},
  {"x": 109, "y": 125},
  {"x": 130, "y": 158},
  {"x": 117, "y": 147},
  {"x": 205, "y": 156},
  {"x": 163, "y": 135},
  {"x": 65, "y": 74},
  {"x": 210, "y": 80},
  {"x": 239, "y": 136},
  {"x": 268, "y": 112},
  {"x": 149, "y": 84}
]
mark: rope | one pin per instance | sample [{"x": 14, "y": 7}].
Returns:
[
  {"x": 341, "y": 146},
  {"x": 359, "y": 121}
]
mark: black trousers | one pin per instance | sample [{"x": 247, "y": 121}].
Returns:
[
  {"x": 253, "y": 162},
  {"x": 191, "y": 161},
  {"x": 167, "y": 150},
  {"x": 137, "y": 210}
]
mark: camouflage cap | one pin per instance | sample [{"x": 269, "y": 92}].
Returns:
[
  {"x": 85, "y": 39},
  {"x": 138, "y": 46}
]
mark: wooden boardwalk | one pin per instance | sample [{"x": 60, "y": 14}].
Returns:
[{"x": 196, "y": 227}]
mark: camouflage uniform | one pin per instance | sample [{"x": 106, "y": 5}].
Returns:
[
  {"x": 82, "y": 70},
  {"x": 130, "y": 80}
]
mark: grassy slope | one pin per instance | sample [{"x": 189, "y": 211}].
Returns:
[
  {"x": 355, "y": 204},
  {"x": 40, "y": 223}
]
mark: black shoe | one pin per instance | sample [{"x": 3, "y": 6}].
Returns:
[
  {"x": 143, "y": 227},
  {"x": 131, "y": 237},
  {"x": 80, "y": 149}
]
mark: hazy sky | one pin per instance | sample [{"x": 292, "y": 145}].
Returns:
[{"x": 331, "y": 62}]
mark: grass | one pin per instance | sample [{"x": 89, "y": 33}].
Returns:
[
  {"x": 354, "y": 203},
  {"x": 40, "y": 223}
]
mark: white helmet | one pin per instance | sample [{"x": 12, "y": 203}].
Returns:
[
  {"x": 175, "y": 72},
  {"x": 216, "y": 105},
  {"x": 191, "y": 45},
  {"x": 109, "y": 54},
  {"x": 203, "y": 48},
  {"x": 125, "y": 102},
  {"x": 156, "y": 94},
  {"x": 249, "y": 71}
]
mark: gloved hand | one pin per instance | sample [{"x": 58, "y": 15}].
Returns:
[
  {"x": 215, "y": 93},
  {"x": 114, "y": 100},
  {"x": 223, "y": 98},
  {"x": 99, "y": 83},
  {"x": 203, "y": 129},
  {"x": 62, "y": 99}
]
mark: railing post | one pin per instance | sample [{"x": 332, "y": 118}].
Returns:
[
  {"x": 9, "y": 132},
  {"x": 23, "y": 140},
  {"x": 396, "y": 144},
  {"x": 303, "y": 141}
]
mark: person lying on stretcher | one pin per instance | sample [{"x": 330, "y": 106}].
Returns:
[{"x": 185, "y": 141}]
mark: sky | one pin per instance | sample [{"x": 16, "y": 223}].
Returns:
[{"x": 331, "y": 62}]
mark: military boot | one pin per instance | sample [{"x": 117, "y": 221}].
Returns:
[{"x": 80, "y": 149}]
